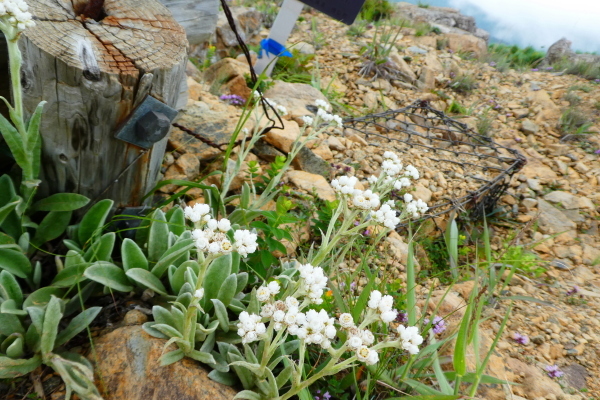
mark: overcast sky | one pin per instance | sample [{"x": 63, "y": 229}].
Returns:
[{"x": 536, "y": 22}]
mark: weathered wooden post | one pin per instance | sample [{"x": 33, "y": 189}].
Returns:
[{"x": 94, "y": 62}]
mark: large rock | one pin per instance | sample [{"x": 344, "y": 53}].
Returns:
[
  {"x": 248, "y": 22},
  {"x": 438, "y": 15},
  {"x": 552, "y": 220},
  {"x": 308, "y": 161},
  {"x": 198, "y": 18},
  {"x": 294, "y": 97},
  {"x": 283, "y": 139},
  {"x": 211, "y": 119},
  {"x": 561, "y": 49},
  {"x": 224, "y": 71},
  {"x": 569, "y": 201},
  {"x": 534, "y": 383},
  {"x": 466, "y": 43},
  {"x": 309, "y": 182},
  {"x": 127, "y": 367}
]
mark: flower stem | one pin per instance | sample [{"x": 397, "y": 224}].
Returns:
[{"x": 14, "y": 55}]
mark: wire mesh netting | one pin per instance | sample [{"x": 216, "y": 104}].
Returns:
[{"x": 465, "y": 171}]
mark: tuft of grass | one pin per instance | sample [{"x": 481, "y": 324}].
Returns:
[
  {"x": 584, "y": 69},
  {"x": 423, "y": 29},
  {"x": 358, "y": 28},
  {"x": 572, "y": 98},
  {"x": 375, "y": 10},
  {"x": 581, "y": 87},
  {"x": 456, "y": 108},
  {"x": 484, "y": 123},
  {"x": 504, "y": 57},
  {"x": 463, "y": 83},
  {"x": 423, "y": 4},
  {"x": 294, "y": 69},
  {"x": 574, "y": 122}
]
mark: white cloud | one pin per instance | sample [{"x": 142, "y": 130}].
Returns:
[{"x": 541, "y": 22}]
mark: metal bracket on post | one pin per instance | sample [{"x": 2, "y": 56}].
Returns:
[
  {"x": 280, "y": 32},
  {"x": 147, "y": 124}
]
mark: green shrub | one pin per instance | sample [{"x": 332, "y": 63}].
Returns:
[
  {"x": 375, "y": 10},
  {"x": 463, "y": 83},
  {"x": 514, "y": 56}
]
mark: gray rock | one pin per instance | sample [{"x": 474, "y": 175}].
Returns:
[
  {"x": 295, "y": 97},
  {"x": 576, "y": 375},
  {"x": 559, "y": 50},
  {"x": 198, "y": 18},
  {"x": 552, "y": 220},
  {"x": 248, "y": 22},
  {"x": 417, "y": 50},
  {"x": 308, "y": 161},
  {"x": 438, "y": 15},
  {"x": 529, "y": 127},
  {"x": 127, "y": 361},
  {"x": 265, "y": 151}
]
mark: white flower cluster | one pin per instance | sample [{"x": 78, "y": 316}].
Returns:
[
  {"x": 210, "y": 235},
  {"x": 317, "y": 328},
  {"x": 281, "y": 109},
  {"x": 245, "y": 242},
  {"x": 16, "y": 14},
  {"x": 383, "y": 306},
  {"x": 323, "y": 113},
  {"x": 365, "y": 199},
  {"x": 250, "y": 328},
  {"x": 359, "y": 340},
  {"x": 415, "y": 207},
  {"x": 391, "y": 164},
  {"x": 386, "y": 216},
  {"x": 199, "y": 212},
  {"x": 410, "y": 338},
  {"x": 264, "y": 293},
  {"x": 314, "y": 282},
  {"x": 345, "y": 184}
]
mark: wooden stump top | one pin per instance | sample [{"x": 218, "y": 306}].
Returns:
[{"x": 129, "y": 37}]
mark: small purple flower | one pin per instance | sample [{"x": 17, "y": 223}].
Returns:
[
  {"x": 492, "y": 64},
  {"x": 597, "y": 151},
  {"x": 534, "y": 70},
  {"x": 597, "y": 80},
  {"x": 402, "y": 318},
  {"x": 326, "y": 396},
  {"x": 438, "y": 326},
  {"x": 233, "y": 99},
  {"x": 549, "y": 68},
  {"x": 521, "y": 339},
  {"x": 367, "y": 232},
  {"x": 553, "y": 371},
  {"x": 574, "y": 290},
  {"x": 353, "y": 286}
]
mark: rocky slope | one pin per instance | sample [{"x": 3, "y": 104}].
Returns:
[{"x": 553, "y": 202}]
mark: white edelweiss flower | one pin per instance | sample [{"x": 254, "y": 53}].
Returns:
[
  {"x": 410, "y": 338},
  {"x": 282, "y": 110},
  {"x": 199, "y": 294},
  {"x": 245, "y": 242},
  {"x": 362, "y": 353},
  {"x": 322, "y": 104},
  {"x": 386, "y": 303},
  {"x": 372, "y": 358},
  {"x": 308, "y": 120},
  {"x": 388, "y": 316},
  {"x": 278, "y": 315},
  {"x": 196, "y": 212},
  {"x": 330, "y": 331},
  {"x": 224, "y": 225},
  {"x": 367, "y": 337},
  {"x": 214, "y": 248},
  {"x": 374, "y": 299},
  {"x": 408, "y": 197},
  {"x": 354, "y": 342},
  {"x": 293, "y": 329},
  {"x": 263, "y": 294},
  {"x": 292, "y": 302},
  {"x": 212, "y": 224},
  {"x": 274, "y": 287},
  {"x": 302, "y": 333},
  {"x": 401, "y": 183},
  {"x": 226, "y": 247},
  {"x": 260, "y": 329},
  {"x": 412, "y": 172},
  {"x": 267, "y": 310},
  {"x": 346, "y": 320}
]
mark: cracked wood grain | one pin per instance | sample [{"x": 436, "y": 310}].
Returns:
[{"x": 92, "y": 74}]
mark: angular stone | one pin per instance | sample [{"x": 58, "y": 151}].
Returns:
[
  {"x": 426, "y": 79},
  {"x": 308, "y": 161},
  {"x": 534, "y": 382},
  {"x": 552, "y": 220},
  {"x": 591, "y": 255},
  {"x": 335, "y": 144},
  {"x": 422, "y": 193},
  {"x": 189, "y": 165},
  {"x": 127, "y": 362},
  {"x": 225, "y": 70},
  {"x": 295, "y": 97},
  {"x": 529, "y": 128},
  {"x": 309, "y": 182},
  {"x": 265, "y": 151},
  {"x": 466, "y": 43},
  {"x": 284, "y": 138}
]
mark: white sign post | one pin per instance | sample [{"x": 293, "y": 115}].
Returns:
[{"x": 280, "y": 32}]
